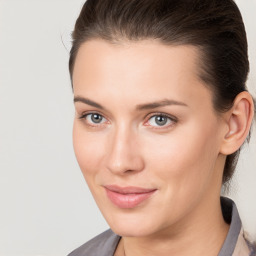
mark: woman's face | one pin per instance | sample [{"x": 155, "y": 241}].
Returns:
[{"x": 145, "y": 135}]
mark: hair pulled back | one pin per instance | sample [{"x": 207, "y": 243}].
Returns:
[{"x": 214, "y": 26}]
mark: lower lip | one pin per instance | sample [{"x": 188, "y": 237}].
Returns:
[{"x": 127, "y": 201}]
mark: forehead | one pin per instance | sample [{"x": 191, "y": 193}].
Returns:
[
  {"x": 99, "y": 55},
  {"x": 143, "y": 69}
]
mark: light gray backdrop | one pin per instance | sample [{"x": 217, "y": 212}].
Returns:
[{"x": 45, "y": 206}]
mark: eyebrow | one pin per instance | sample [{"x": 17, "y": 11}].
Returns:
[
  {"x": 88, "y": 102},
  {"x": 152, "y": 105},
  {"x": 161, "y": 103}
]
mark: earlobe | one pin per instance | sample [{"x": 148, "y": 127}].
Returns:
[{"x": 239, "y": 122}]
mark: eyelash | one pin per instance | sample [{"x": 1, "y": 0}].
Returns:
[
  {"x": 85, "y": 115},
  {"x": 172, "y": 119}
]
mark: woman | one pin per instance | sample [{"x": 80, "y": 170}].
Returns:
[{"x": 162, "y": 111}]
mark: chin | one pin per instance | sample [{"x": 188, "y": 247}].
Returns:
[
  {"x": 133, "y": 225},
  {"x": 132, "y": 231}
]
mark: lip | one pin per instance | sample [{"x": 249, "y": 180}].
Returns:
[{"x": 128, "y": 197}]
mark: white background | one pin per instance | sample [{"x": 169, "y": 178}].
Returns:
[{"x": 45, "y": 206}]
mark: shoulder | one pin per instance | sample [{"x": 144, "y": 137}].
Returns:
[
  {"x": 104, "y": 244},
  {"x": 250, "y": 243},
  {"x": 243, "y": 246}
]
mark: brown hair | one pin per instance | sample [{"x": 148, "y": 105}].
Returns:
[{"x": 214, "y": 26}]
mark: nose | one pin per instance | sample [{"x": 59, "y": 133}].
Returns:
[{"x": 124, "y": 153}]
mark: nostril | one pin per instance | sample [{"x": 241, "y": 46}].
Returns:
[
  {"x": 129, "y": 171},
  {"x": 127, "y": 166}
]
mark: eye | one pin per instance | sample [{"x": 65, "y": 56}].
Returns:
[
  {"x": 93, "y": 118},
  {"x": 160, "y": 120}
]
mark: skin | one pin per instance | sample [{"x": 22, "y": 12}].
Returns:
[{"x": 183, "y": 159}]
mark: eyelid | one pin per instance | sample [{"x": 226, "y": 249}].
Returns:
[
  {"x": 87, "y": 113},
  {"x": 173, "y": 119}
]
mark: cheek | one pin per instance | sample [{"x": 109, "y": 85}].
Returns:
[
  {"x": 89, "y": 150},
  {"x": 184, "y": 160},
  {"x": 182, "y": 165}
]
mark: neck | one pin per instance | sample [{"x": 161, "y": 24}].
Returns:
[{"x": 209, "y": 230}]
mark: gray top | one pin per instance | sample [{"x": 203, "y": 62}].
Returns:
[{"x": 105, "y": 244}]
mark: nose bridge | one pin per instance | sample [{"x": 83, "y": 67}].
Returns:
[{"x": 124, "y": 152}]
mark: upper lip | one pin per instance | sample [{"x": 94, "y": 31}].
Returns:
[{"x": 128, "y": 189}]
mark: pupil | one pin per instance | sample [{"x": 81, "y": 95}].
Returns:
[
  {"x": 161, "y": 120},
  {"x": 96, "y": 118}
]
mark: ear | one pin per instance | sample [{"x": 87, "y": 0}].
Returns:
[{"x": 239, "y": 119}]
